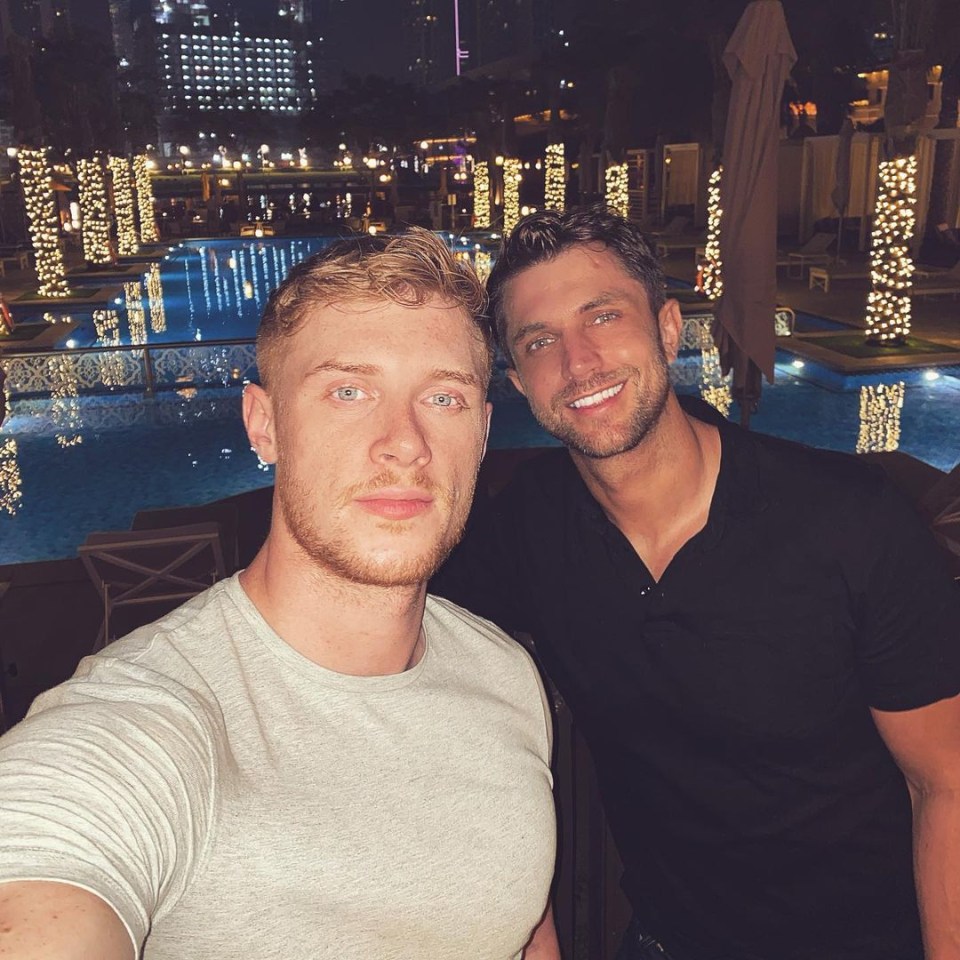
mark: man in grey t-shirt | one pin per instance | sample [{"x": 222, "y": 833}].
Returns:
[{"x": 313, "y": 758}]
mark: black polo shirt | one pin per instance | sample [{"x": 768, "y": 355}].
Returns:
[{"x": 756, "y": 809}]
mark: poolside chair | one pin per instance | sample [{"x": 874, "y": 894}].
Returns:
[
  {"x": 149, "y": 572},
  {"x": 813, "y": 251},
  {"x": 674, "y": 228},
  {"x": 938, "y": 284}
]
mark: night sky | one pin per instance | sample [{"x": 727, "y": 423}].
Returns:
[{"x": 364, "y": 35}]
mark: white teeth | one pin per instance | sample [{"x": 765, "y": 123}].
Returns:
[{"x": 596, "y": 398}]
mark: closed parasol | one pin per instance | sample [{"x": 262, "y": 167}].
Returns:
[{"x": 758, "y": 58}]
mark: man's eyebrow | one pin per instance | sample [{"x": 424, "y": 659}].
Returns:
[
  {"x": 601, "y": 300},
  {"x": 344, "y": 366},
  {"x": 457, "y": 376},
  {"x": 526, "y": 330}
]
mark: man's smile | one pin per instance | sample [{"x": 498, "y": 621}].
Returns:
[{"x": 594, "y": 399}]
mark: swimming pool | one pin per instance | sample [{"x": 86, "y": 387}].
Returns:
[{"x": 73, "y": 464}]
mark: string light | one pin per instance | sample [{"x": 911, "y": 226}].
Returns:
[
  {"x": 710, "y": 280},
  {"x": 891, "y": 263},
  {"x": 880, "y": 408},
  {"x": 483, "y": 264},
  {"x": 95, "y": 207},
  {"x": 11, "y": 496},
  {"x": 127, "y": 242},
  {"x": 136, "y": 315},
  {"x": 148, "y": 220},
  {"x": 481, "y": 196},
  {"x": 107, "y": 325},
  {"x": 65, "y": 405},
  {"x": 38, "y": 198},
  {"x": 555, "y": 178},
  {"x": 617, "y": 189},
  {"x": 714, "y": 386},
  {"x": 158, "y": 315},
  {"x": 512, "y": 176}
]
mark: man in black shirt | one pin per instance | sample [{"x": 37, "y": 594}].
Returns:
[{"x": 757, "y": 639}]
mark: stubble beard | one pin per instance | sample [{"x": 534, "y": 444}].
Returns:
[
  {"x": 610, "y": 441},
  {"x": 335, "y": 551}
]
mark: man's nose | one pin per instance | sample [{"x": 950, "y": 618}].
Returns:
[
  {"x": 402, "y": 440},
  {"x": 580, "y": 357}
]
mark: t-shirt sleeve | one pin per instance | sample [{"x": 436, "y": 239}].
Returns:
[
  {"x": 108, "y": 785},
  {"x": 481, "y": 574},
  {"x": 909, "y": 636}
]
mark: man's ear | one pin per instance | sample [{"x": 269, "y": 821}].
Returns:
[
  {"x": 514, "y": 378},
  {"x": 670, "y": 325},
  {"x": 259, "y": 422},
  {"x": 486, "y": 432}
]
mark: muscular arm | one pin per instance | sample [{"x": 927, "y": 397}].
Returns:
[
  {"x": 925, "y": 742},
  {"x": 57, "y": 921},
  {"x": 543, "y": 944}
]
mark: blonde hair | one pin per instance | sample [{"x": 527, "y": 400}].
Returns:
[{"x": 408, "y": 269}]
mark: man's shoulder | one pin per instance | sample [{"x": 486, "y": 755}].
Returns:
[
  {"x": 472, "y": 635},
  {"x": 161, "y": 666},
  {"x": 805, "y": 473}
]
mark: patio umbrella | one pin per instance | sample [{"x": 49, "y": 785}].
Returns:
[
  {"x": 841, "y": 190},
  {"x": 758, "y": 58}
]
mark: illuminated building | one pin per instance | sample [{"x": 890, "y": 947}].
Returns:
[{"x": 206, "y": 61}]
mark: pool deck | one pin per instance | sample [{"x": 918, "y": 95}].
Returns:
[{"x": 935, "y": 319}]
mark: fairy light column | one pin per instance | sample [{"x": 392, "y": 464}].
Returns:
[
  {"x": 481, "y": 195},
  {"x": 41, "y": 206},
  {"x": 891, "y": 263},
  {"x": 148, "y": 220},
  {"x": 95, "y": 208},
  {"x": 512, "y": 175},
  {"x": 555, "y": 178},
  {"x": 618, "y": 197},
  {"x": 127, "y": 242},
  {"x": 710, "y": 283}
]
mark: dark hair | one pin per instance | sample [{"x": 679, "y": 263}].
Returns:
[
  {"x": 544, "y": 235},
  {"x": 407, "y": 269}
]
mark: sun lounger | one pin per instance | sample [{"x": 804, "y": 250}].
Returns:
[
  {"x": 942, "y": 283},
  {"x": 674, "y": 228},
  {"x": 814, "y": 251},
  {"x": 674, "y": 244},
  {"x": 151, "y": 570},
  {"x": 823, "y": 276}
]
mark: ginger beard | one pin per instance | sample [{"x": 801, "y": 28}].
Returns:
[
  {"x": 403, "y": 556},
  {"x": 602, "y": 439}
]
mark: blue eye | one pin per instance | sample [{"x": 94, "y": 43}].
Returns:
[
  {"x": 446, "y": 400},
  {"x": 348, "y": 393}
]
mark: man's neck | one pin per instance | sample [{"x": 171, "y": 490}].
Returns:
[
  {"x": 659, "y": 493},
  {"x": 346, "y": 627}
]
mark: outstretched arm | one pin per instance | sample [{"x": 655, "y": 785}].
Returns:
[
  {"x": 925, "y": 742},
  {"x": 41, "y": 920}
]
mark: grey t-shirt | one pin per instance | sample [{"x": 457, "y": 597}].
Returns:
[{"x": 230, "y": 798}]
